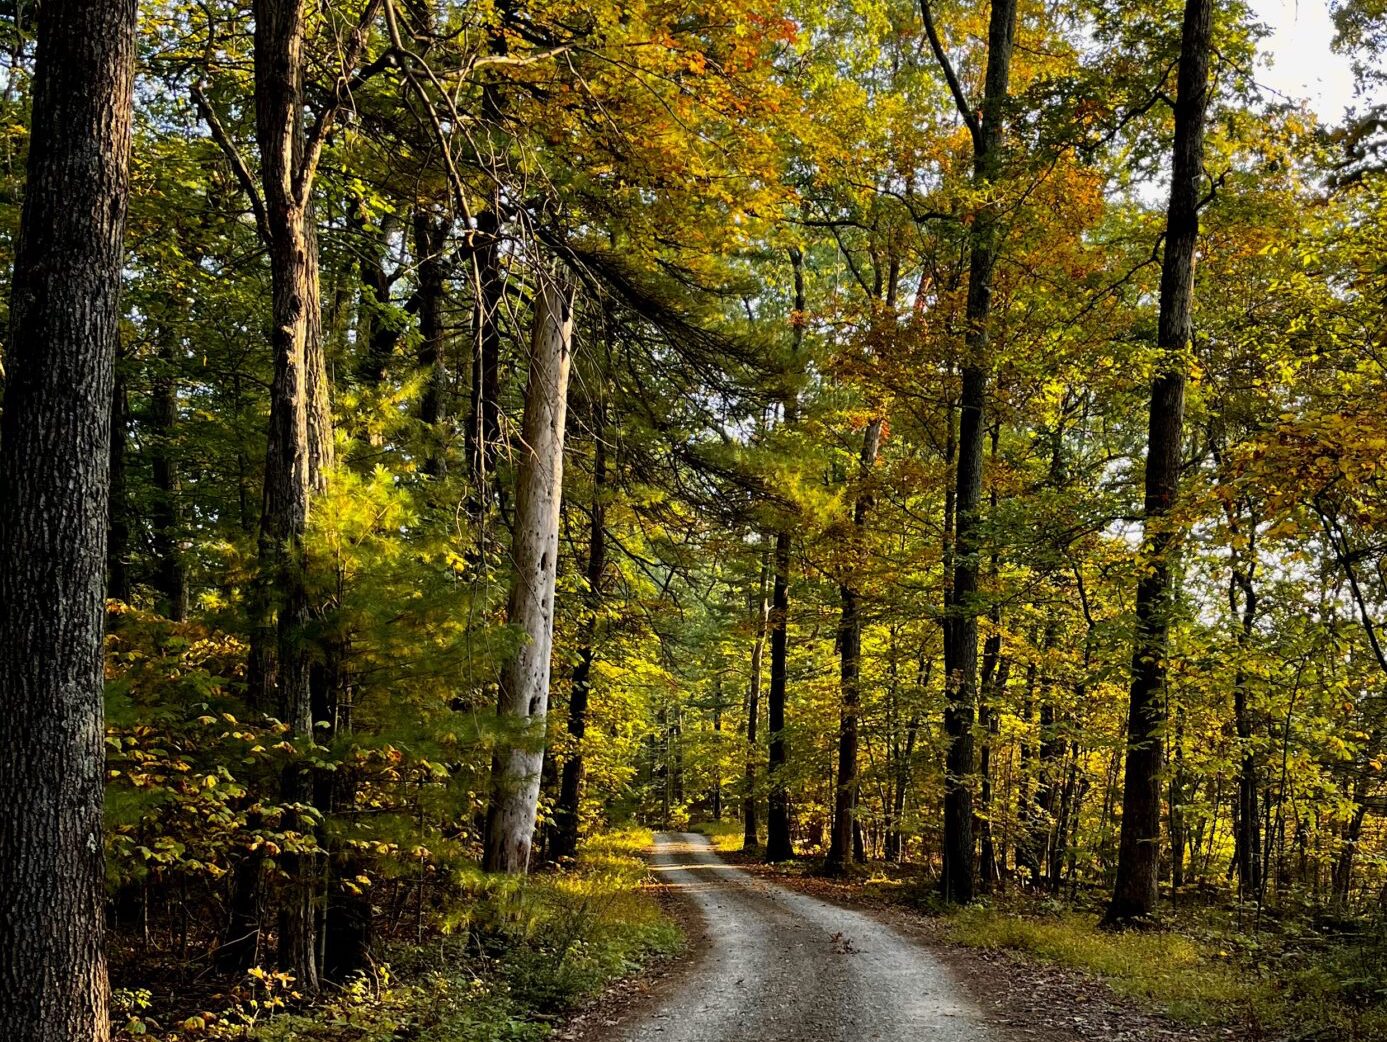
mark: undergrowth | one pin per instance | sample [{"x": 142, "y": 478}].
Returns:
[
  {"x": 507, "y": 962},
  {"x": 1291, "y": 983}
]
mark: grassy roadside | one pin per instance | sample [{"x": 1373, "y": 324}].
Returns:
[
  {"x": 1202, "y": 968},
  {"x": 516, "y": 956}
]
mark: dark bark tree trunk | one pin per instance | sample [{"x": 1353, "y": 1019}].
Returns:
[
  {"x": 1135, "y": 890},
  {"x": 750, "y": 836},
  {"x": 299, "y": 452},
  {"x": 376, "y": 331},
  {"x": 850, "y": 669},
  {"x": 566, "y": 810},
  {"x": 170, "y": 574},
  {"x": 118, "y": 526},
  {"x": 961, "y": 637},
  {"x": 54, "y": 487},
  {"x": 279, "y": 32},
  {"x": 430, "y": 236},
  {"x": 778, "y": 844},
  {"x": 484, "y": 417},
  {"x": 524, "y": 698}
]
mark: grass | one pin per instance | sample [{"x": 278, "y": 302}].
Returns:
[
  {"x": 726, "y": 836},
  {"x": 1165, "y": 968},
  {"x": 514, "y": 957},
  {"x": 1204, "y": 972}
]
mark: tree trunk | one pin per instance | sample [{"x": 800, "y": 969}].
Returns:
[
  {"x": 376, "y": 332},
  {"x": 778, "y": 844},
  {"x": 484, "y": 418},
  {"x": 850, "y": 669},
  {"x": 961, "y": 642},
  {"x": 750, "y": 837},
  {"x": 430, "y": 235},
  {"x": 571, "y": 784},
  {"x": 170, "y": 575},
  {"x": 118, "y": 523},
  {"x": 54, "y": 487},
  {"x": 524, "y": 698},
  {"x": 1135, "y": 889},
  {"x": 299, "y": 450}
]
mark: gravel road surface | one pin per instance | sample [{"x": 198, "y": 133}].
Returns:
[{"x": 777, "y": 966}]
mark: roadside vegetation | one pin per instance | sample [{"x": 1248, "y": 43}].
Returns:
[{"x": 504, "y": 961}]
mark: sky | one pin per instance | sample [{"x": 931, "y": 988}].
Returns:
[{"x": 1302, "y": 65}]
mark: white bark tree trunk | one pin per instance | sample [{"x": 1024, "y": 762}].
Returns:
[{"x": 524, "y": 700}]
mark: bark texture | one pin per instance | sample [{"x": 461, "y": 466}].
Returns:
[
  {"x": 54, "y": 487},
  {"x": 1135, "y": 889},
  {"x": 850, "y": 671},
  {"x": 524, "y": 697},
  {"x": 961, "y": 631}
]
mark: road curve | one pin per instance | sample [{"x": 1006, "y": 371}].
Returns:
[{"x": 779, "y": 966}]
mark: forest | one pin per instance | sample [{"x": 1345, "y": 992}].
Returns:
[{"x": 934, "y": 449}]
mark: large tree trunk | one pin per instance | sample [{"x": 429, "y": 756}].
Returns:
[
  {"x": 54, "y": 486},
  {"x": 850, "y": 670},
  {"x": 299, "y": 450},
  {"x": 566, "y": 810},
  {"x": 524, "y": 698},
  {"x": 1135, "y": 889},
  {"x": 961, "y": 638}
]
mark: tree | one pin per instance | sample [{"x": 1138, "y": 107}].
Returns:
[
  {"x": 524, "y": 697},
  {"x": 1135, "y": 888},
  {"x": 961, "y": 621},
  {"x": 54, "y": 446}
]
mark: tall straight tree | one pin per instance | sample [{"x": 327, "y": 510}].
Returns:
[
  {"x": 524, "y": 697},
  {"x": 566, "y": 810},
  {"x": 778, "y": 844},
  {"x": 961, "y": 620},
  {"x": 299, "y": 450},
  {"x": 850, "y": 668},
  {"x": 54, "y": 486},
  {"x": 1138, "y": 857}
]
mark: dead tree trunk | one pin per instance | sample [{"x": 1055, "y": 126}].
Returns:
[
  {"x": 54, "y": 486},
  {"x": 524, "y": 698}
]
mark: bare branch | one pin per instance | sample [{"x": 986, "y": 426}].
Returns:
[
  {"x": 965, "y": 110},
  {"x": 341, "y": 94},
  {"x": 233, "y": 156}
]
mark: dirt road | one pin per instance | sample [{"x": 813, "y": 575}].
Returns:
[{"x": 777, "y": 966}]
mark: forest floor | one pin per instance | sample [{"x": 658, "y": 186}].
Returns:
[{"x": 778, "y": 953}]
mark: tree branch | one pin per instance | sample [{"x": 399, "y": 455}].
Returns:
[
  {"x": 965, "y": 110},
  {"x": 341, "y": 94},
  {"x": 233, "y": 156}
]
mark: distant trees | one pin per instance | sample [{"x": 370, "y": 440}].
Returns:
[{"x": 55, "y": 437}]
